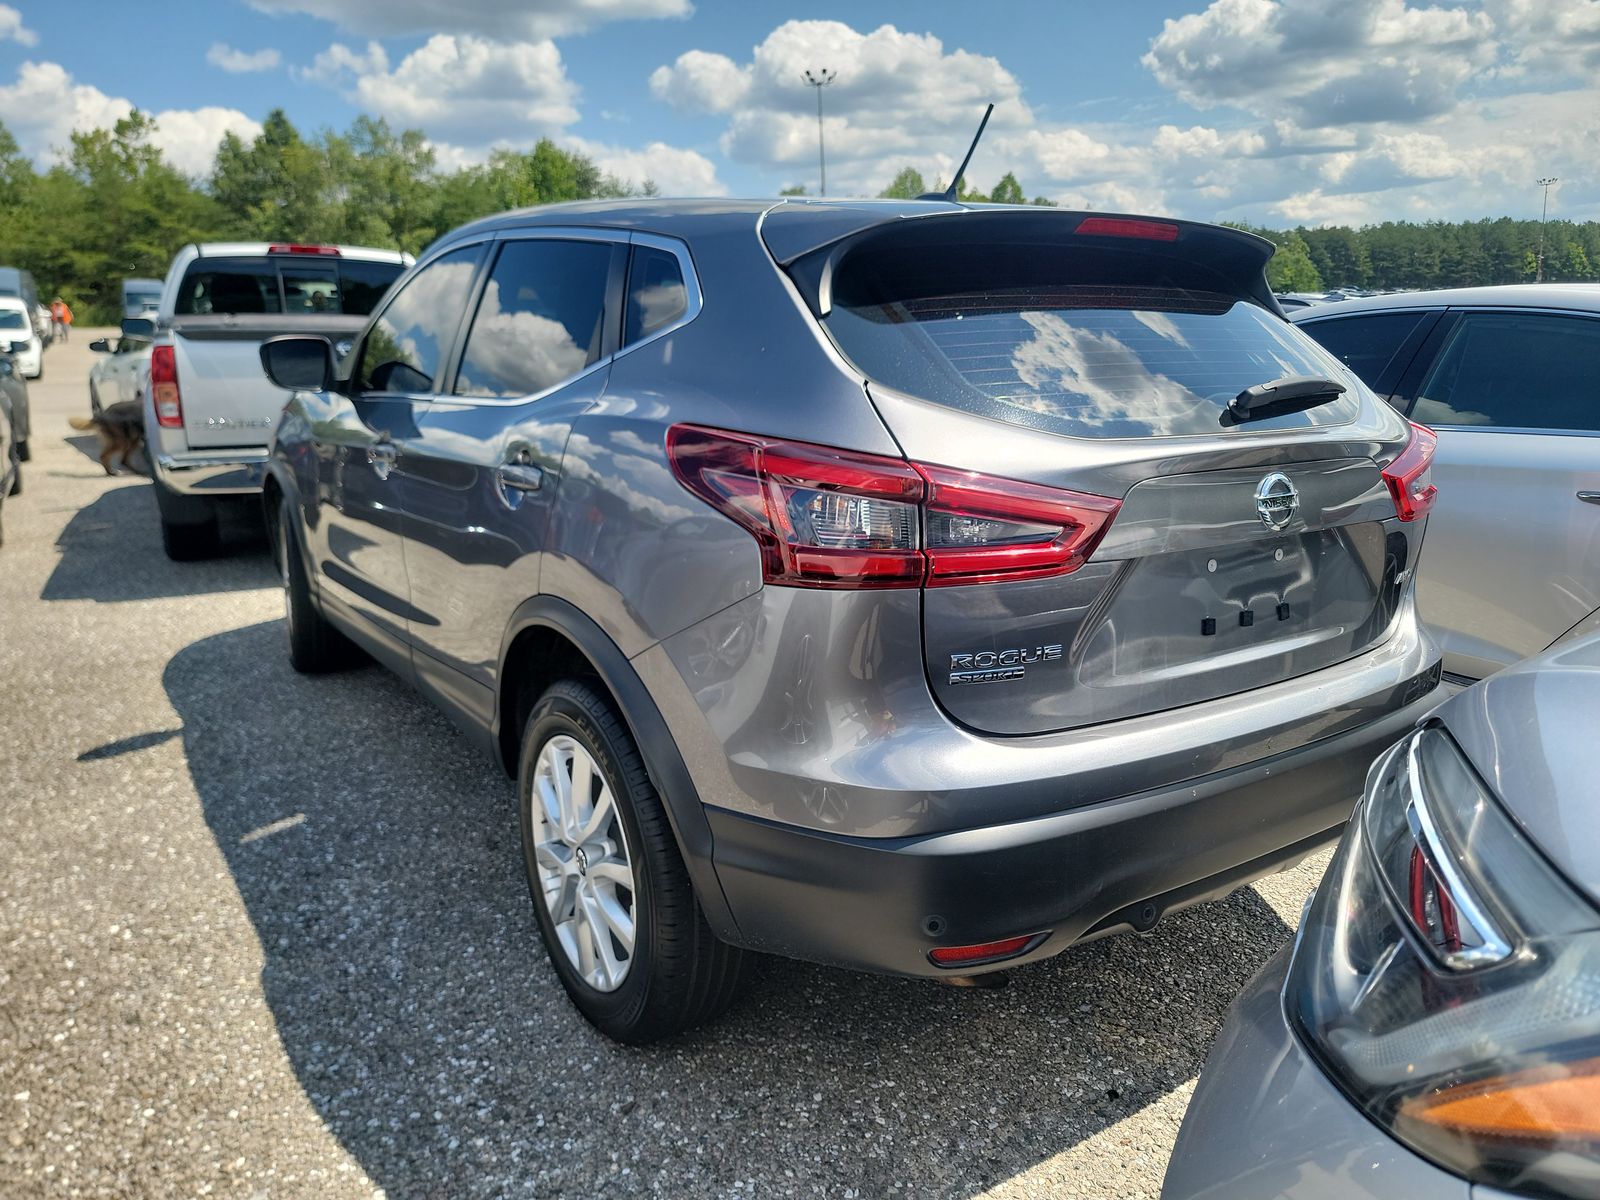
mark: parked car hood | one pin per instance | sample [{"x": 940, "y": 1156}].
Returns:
[{"x": 1531, "y": 732}]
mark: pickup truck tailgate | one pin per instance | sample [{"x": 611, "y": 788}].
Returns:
[{"x": 227, "y": 399}]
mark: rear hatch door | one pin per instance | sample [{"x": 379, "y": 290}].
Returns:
[{"x": 1244, "y": 552}]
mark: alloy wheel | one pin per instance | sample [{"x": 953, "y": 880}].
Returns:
[{"x": 581, "y": 855}]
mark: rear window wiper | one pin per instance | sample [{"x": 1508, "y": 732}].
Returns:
[{"x": 1302, "y": 391}]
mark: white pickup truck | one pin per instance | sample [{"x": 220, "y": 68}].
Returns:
[{"x": 209, "y": 411}]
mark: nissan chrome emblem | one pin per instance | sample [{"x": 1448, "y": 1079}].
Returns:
[{"x": 1276, "y": 500}]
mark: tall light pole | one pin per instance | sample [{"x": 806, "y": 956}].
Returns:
[
  {"x": 1543, "y": 217},
  {"x": 819, "y": 80}
]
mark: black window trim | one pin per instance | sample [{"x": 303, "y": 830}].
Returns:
[
  {"x": 611, "y": 348},
  {"x": 1444, "y": 331},
  {"x": 1395, "y": 372}
]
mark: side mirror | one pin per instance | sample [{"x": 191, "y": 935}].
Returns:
[
  {"x": 100, "y": 346},
  {"x": 301, "y": 363},
  {"x": 138, "y": 326}
]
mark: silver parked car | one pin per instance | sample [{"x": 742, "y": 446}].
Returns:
[
  {"x": 895, "y": 585},
  {"x": 1438, "y": 1021},
  {"x": 1506, "y": 377}
]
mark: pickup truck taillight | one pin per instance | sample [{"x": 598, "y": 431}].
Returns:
[
  {"x": 164, "y": 387},
  {"x": 830, "y": 518}
]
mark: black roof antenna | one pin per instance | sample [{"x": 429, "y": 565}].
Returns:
[{"x": 951, "y": 192}]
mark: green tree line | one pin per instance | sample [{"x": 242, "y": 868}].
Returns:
[{"x": 114, "y": 208}]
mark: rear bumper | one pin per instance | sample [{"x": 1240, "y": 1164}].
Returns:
[
  {"x": 234, "y": 472},
  {"x": 884, "y": 903}
]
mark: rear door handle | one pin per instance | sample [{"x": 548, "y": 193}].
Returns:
[
  {"x": 381, "y": 456},
  {"x": 1589, "y": 497},
  {"x": 520, "y": 477}
]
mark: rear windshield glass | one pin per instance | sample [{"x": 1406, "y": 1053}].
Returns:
[
  {"x": 11, "y": 318},
  {"x": 1092, "y": 361},
  {"x": 308, "y": 285}
]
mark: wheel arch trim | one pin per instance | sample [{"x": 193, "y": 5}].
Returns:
[{"x": 662, "y": 760}]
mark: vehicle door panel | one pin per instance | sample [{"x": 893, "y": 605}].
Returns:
[
  {"x": 486, "y": 464},
  {"x": 1512, "y": 555},
  {"x": 363, "y": 441}
]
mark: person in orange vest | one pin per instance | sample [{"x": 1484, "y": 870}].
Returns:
[{"x": 62, "y": 316}]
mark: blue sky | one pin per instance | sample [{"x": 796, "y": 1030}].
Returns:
[{"x": 1278, "y": 111}]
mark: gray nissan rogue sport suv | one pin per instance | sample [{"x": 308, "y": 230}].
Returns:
[{"x": 902, "y": 586}]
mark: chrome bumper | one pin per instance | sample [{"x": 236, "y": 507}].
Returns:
[{"x": 225, "y": 473}]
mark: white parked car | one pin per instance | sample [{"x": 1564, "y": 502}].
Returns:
[
  {"x": 122, "y": 370},
  {"x": 16, "y": 326}
]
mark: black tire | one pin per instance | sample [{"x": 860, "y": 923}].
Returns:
[
  {"x": 315, "y": 646},
  {"x": 23, "y": 453},
  {"x": 189, "y": 529},
  {"x": 680, "y": 974}
]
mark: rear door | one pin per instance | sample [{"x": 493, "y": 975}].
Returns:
[
  {"x": 1244, "y": 552},
  {"x": 363, "y": 440},
  {"x": 1513, "y": 557},
  {"x": 484, "y": 467}
]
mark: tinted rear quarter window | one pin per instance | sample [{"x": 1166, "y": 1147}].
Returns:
[
  {"x": 1516, "y": 371},
  {"x": 1085, "y": 361},
  {"x": 220, "y": 285},
  {"x": 363, "y": 283},
  {"x": 1367, "y": 345},
  {"x": 541, "y": 318},
  {"x": 657, "y": 295}
]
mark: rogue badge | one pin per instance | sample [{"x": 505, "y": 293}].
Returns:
[{"x": 997, "y": 666}]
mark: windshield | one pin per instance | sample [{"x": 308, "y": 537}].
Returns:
[{"x": 1096, "y": 361}]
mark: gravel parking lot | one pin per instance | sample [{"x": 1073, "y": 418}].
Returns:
[{"x": 264, "y": 935}]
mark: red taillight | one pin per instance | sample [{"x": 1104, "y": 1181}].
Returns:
[
  {"x": 983, "y": 952},
  {"x": 302, "y": 248},
  {"x": 1128, "y": 227},
  {"x": 823, "y": 517},
  {"x": 981, "y": 529},
  {"x": 835, "y": 518},
  {"x": 1410, "y": 476},
  {"x": 164, "y": 387}
]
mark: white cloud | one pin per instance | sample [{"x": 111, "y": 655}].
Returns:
[
  {"x": 533, "y": 19},
  {"x": 45, "y": 106},
  {"x": 458, "y": 86},
  {"x": 897, "y": 99},
  {"x": 188, "y": 137},
  {"x": 674, "y": 170},
  {"x": 13, "y": 30},
  {"x": 1355, "y": 62},
  {"x": 240, "y": 62}
]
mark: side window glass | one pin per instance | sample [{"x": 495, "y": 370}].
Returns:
[
  {"x": 212, "y": 288},
  {"x": 406, "y": 344},
  {"x": 1516, "y": 371},
  {"x": 656, "y": 293},
  {"x": 1367, "y": 345},
  {"x": 540, "y": 320}
]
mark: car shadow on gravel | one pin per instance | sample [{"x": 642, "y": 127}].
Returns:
[
  {"x": 111, "y": 551},
  {"x": 376, "y": 853}
]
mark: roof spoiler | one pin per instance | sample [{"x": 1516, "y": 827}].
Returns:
[{"x": 1207, "y": 257}]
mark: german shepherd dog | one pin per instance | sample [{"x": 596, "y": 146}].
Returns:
[{"x": 121, "y": 430}]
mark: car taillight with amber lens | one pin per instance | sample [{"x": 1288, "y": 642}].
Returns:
[{"x": 1449, "y": 980}]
